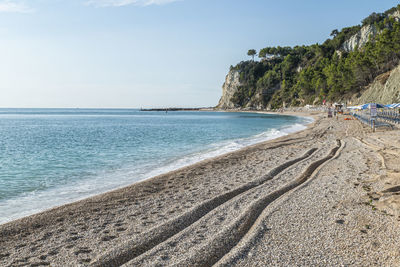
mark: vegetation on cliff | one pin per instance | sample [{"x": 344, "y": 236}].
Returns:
[{"x": 309, "y": 74}]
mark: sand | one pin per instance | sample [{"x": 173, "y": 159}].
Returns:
[{"x": 328, "y": 195}]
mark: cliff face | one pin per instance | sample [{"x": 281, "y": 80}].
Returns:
[
  {"x": 300, "y": 75},
  {"x": 257, "y": 101},
  {"x": 396, "y": 15},
  {"x": 360, "y": 38},
  {"x": 384, "y": 90},
  {"x": 229, "y": 88}
]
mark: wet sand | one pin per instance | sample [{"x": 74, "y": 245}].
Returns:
[{"x": 328, "y": 195}]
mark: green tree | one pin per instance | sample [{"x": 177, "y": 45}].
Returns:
[
  {"x": 373, "y": 18},
  {"x": 334, "y": 33},
  {"x": 263, "y": 53},
  {"x": 302, "y": 74},
  {"x": 252, "y": 53}
]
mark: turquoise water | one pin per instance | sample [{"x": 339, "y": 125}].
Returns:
[{"x": 50, "y": 157}]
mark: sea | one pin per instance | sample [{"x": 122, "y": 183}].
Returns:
[{"x": 50, "y": 157}]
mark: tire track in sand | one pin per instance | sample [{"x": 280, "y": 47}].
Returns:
[
  {"x": 247, "y": 242},
  {"x": 231, "y": 235},
  {"x": 134, "y": 248}
]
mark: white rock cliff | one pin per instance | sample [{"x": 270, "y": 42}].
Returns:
[
  {"x": 359, "y": 39},
  {"x": 229, "y": 88},
  {"x": 362, "y": 37}
]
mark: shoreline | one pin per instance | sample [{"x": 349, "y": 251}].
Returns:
[
  {"x": 304, "y": 194},
  {"x": 168, "y": 167}
]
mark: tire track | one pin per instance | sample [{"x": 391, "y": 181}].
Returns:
[
  {"x": 205, "y": 229},
  {"x": 134, "y": 248},
  {"x": 231, "y": 235},
  {"x": 256, "y": 231}
]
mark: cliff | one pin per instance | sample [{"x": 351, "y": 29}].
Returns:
[
  {"x": 385, "y": 89},
  {"x": 229, "y": 88},
  {"x": 358, "y": 64},
  {"x": 359, "y": 39},
  {"x": 233, "y": 87}
]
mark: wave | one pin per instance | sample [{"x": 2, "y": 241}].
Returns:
[
  {"x": 219, "y": 149},
  {"x": 38, "y": 201}
]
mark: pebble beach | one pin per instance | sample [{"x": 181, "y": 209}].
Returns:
[{"x": 325, "y": 196}]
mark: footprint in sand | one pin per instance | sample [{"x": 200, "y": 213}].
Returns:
[
  {"x": 83, "y": 250},
  {"x": 108, "y": 238}
]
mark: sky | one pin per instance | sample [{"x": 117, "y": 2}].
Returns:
[{"x": 148, "y": 53}]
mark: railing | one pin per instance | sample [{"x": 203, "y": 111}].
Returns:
[
  {"x": 378, "y": 122},
  {"x": 389, "y": 116}
]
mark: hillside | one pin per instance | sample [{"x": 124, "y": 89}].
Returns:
[{"x": 354, "y": 65}]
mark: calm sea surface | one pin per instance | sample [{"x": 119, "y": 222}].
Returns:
[{"x": 50, "y": 157}]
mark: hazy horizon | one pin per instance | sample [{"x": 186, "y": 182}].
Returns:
[{"x": 148, "y": 53}]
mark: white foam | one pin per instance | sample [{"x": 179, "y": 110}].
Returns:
[{"x": 34, "y": 202}]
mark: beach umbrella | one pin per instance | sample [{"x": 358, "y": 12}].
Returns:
[
  {"x": 366, "y": 106},
  {"x": 354, "y": 107},
  {"x": 396, "y": 105},
  {"x": 380, "y": 106}
]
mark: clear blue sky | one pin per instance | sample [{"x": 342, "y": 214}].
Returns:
[{"x": 148, "y": 53}]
